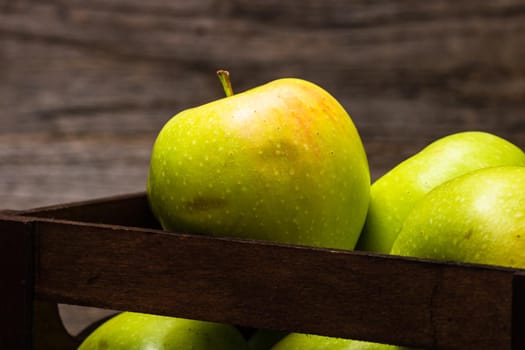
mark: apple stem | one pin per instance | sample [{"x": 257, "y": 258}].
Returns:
[{"x": 224, "y": 77}]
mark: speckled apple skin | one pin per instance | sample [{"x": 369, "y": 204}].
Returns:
[
  {"x": 281, "y": 162},
  {"x": 138, "y": 331},
  {"x": 299, "y": 341},
  {"x": 394, "y": 194},
  {"x": 476, "y": 218}
]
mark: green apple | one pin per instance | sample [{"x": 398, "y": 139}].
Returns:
[
  {"x": 137, "y": 331},
  {"x": 394, "y": 194},
  {"x": 300, "y": 341},
  {"x": 281, "y": 162},
  {"x": 364, "y": 345},
  {"x": 478, "y": 218}
]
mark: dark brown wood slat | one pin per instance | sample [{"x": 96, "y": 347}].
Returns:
[
  {"x": 16, "y": 271},
  {"x": 405, "y": 301},
  {"x": 129, "y": 210},
  {"x": 518, "y": 314}
]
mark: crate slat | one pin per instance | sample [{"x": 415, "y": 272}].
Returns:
[
  {"x": 130, "y": 266},
  {"x": 16, "y": 273}
]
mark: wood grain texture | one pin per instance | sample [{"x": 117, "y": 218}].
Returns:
[
  {"x": 401, "y": 300},
  {"x": 86, "y": 86},
  {"x": 187, "y": 279},
  {"x": 135, "y": 267}
]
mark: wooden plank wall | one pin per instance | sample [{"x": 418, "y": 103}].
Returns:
[{"x": 86, "y": 85}]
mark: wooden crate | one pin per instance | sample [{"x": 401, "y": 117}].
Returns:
[{"x": 110, "y": 253}]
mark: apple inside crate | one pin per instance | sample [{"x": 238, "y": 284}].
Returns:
[{"x": 111, "y": 253}]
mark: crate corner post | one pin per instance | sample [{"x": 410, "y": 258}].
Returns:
[
  {"x": 17, "y": 276},
  {"x": 518, "y": 311}
]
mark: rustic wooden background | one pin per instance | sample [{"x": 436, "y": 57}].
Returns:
[{"x": 86, "y": 85}]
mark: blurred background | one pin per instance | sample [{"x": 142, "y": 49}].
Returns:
[{"x": 85, "y": 86}]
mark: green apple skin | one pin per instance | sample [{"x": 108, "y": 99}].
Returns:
[
  {"x": 363, "y": 345},
  {"x": 301, "y": 341},
  {"x": 476, "y": 218},
  {"x": 282, "y": 162},
  {"x": 137, "y": 331},
  {"x": 393, "y": 195}
]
